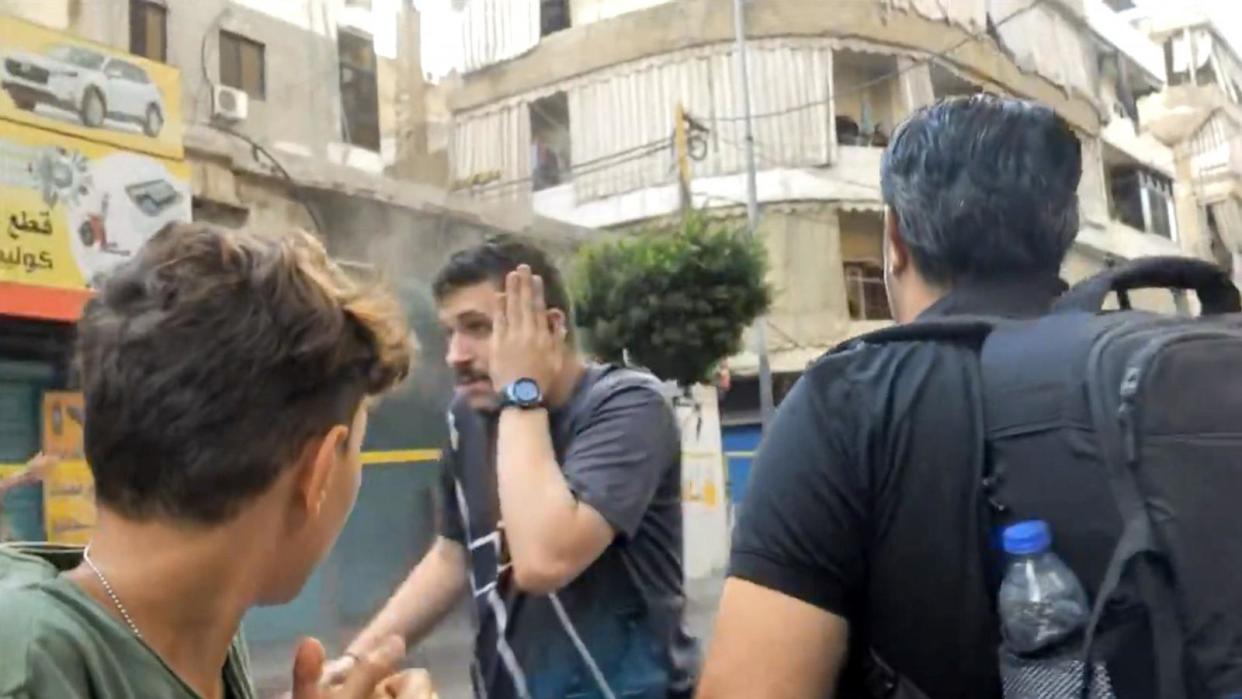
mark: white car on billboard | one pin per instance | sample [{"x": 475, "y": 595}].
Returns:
[{"x": 88, "y": 83}]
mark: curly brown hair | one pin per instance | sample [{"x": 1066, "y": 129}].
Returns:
[{"x": 210, "y": 358}]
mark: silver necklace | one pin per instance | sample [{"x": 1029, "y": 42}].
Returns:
[{"x": 86, "y": 556}]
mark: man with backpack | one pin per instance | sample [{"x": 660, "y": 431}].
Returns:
[{"x": 865, "y": 559}]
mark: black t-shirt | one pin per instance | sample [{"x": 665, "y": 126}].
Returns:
[
  {"x": 618, "y": 445},
  {"x": 865, "y": 498}
]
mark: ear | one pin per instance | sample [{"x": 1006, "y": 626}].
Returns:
[
  {"x": 319, "y": 458},
  {"x": 896, "y": 252},
  {"x": 558, "y": 323}
]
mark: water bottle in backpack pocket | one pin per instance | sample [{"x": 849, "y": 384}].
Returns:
[
  {"x": 1120, "y": 431},
  {"x": 1043, "y": 613}
]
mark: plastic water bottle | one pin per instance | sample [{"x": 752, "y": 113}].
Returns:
[{"x": 1041, "y": 601}]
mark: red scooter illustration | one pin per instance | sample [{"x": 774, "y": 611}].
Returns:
[{"x": 93, "y": 231}]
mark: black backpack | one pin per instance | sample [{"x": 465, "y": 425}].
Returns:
[{"x": 1122, "y": 430}]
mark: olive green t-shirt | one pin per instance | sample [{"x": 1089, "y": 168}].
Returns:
[{"x": 58, "y": 643}]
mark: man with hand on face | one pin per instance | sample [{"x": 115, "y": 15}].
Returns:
[{"x": 562, "y": 500}]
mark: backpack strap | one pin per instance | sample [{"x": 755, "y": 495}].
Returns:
[
  {"x": 971, "y": 329},
  {"x": 879, "y": 679},
  {"x": 1217, "y": 293},
  {"x": 614, "y": 378}
]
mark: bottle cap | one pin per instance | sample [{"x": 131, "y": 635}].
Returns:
[{"x": 1027, "y": 537}]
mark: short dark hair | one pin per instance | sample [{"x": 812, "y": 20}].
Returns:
[
  {"x": 210, "y": 358},
  {"x": 984, "y": 187},
  {"x": 495, "y": 258}
]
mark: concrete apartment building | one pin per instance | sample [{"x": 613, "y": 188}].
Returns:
[
  {"x": 566, "y": 107},
  {"x": 1199, "y": 116}
]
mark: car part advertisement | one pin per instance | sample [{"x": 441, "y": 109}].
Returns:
[
  {"x": 59, "y": 82},
  {"x": 71, "y": 211},
  {"x": 91, "y": 165}
]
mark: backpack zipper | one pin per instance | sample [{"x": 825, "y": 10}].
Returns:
[
  {"x": 1125, "y": 412},
  {"x": 1132, "y": 381}
]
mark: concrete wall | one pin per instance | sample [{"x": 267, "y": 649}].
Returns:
[
  {"x": 302, "y": 75},
  {"x": 705, "y": 508},
  {"x": 809, "y": 309},
  {"x": 676, "y": 25},
  {"x": 855, "y": 176},
  {"x": 588, "y": 11},
  {"x": 862, "y": 236},
  {"x": 49, "y": 14}
]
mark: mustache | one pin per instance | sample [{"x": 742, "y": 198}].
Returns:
[{"x": 469, "y": 376}]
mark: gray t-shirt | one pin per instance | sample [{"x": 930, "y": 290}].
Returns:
[{"x": 618, "y": 624}]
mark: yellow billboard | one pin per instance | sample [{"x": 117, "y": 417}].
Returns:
[
  {"x": 56, "y": 81},
  {"x": 72, "y": 210},
  {"x": 69, "y": 488}
]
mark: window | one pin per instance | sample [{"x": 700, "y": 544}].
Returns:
[
  {"x": 126, "y": 71},
  {"x": 865, "y": 98},
  {"x": 77, "y": 56},
  {"x": 865, "y": 293},
  {"x": 148, "y": 29},
  {"x": 359, "y": 92},
  {"x": 550, "y": 145},
  {"x": 1142, "y": 199},
  {"x": 242, "y": 64},
  {"x": 553, "y": 16}
]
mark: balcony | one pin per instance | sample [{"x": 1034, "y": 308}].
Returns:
[
  {"x": 504, "y": 56},
  {"x": 1133, "y": 44}
]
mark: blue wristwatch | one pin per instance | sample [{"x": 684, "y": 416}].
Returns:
[{"x": 523, "y": 393}]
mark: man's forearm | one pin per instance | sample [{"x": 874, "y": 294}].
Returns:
[
  {"x": 536, "y": 502},
  {"x": 422, "y": 601},
  {"x": 14, "y": 481}
]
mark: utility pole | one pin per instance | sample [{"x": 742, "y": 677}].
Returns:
[
  {"x": 766, "y": 401},
  {"x": 681, "y": 142}
]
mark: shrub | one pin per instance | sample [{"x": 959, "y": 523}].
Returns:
[{"x": 676, "y": 299}]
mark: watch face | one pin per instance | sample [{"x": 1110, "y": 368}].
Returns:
[{"x": 525, "y": 391}]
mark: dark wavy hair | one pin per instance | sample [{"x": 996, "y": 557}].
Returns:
[
  {"x": 984, "y": 187},
  {"x": 495, "y": 258},
  {"x": 210, "y": 358}
]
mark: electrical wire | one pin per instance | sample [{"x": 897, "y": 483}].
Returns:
[
  {"x": 765, "y": 160},
  {"x": 586, "y": 167},
  {"x": 255, "y": 147},
  {"x": 889, "y": 75}
]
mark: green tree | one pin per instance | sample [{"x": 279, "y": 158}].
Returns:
[{"x": 677, "y": 298}]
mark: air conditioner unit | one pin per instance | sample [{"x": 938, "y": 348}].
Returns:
[{"x": 230, "y": 104}]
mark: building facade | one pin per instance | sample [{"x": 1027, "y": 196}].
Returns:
[
  {"x": 1199, "y": 116},
  {"x": 567, "y": 108}
]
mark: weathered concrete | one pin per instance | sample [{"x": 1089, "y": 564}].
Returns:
[
  {"x": 302, "y": 73},
  {"x": 687, "y": 23},
  {"x": 854, "y": 177}
]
